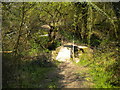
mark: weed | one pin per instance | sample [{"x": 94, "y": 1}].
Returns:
[{"x": 100, "y": 70}]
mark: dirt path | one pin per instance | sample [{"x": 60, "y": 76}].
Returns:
[{"x": 67, "y": 75}]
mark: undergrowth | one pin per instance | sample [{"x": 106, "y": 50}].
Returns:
[
  {"x": 104, "y": 67},
  {"x": 24, "y": 74}
]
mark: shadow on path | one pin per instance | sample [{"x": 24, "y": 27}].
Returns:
[{"x": 67, "y": 75}]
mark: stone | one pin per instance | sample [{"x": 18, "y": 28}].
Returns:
[{"x": 64, "y": 54}]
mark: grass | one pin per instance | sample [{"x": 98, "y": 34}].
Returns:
[
  {"x": 53, "y": 83},
  {"x": 30, "y": 76},
  {"x": 100, "y": 70},
  {"x": 102, "y": 66},
  {"x": 24, "y": 74}
]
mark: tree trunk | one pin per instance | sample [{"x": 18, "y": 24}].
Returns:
[{"x": 19, "y": 32}]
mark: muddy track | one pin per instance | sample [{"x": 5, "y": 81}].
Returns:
[{"x": 67, "y": 75}]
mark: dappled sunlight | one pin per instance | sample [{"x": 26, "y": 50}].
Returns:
[
  {"x": 67, "y": 75},
  {"x": 60, "y": 44}
]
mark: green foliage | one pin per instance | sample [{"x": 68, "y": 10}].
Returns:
[
  {"x": 24, "y": 74},
  {"x": 56, "y": 43},
  {"x": 92, "y": 23},
  {"x": 11, "y": 64},
  {"x": 95, "y": 40},
  {"x": 52, "y": 86},
  {"x": 56, "y": 62},
  {"x": 101, "y": 67},
  {"x": 31, "y": 77}
]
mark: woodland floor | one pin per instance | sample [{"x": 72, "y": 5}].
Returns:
[{"x": 67, "y": 75}]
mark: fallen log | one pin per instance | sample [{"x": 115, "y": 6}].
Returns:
[{"x": 6, "y": 51}]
